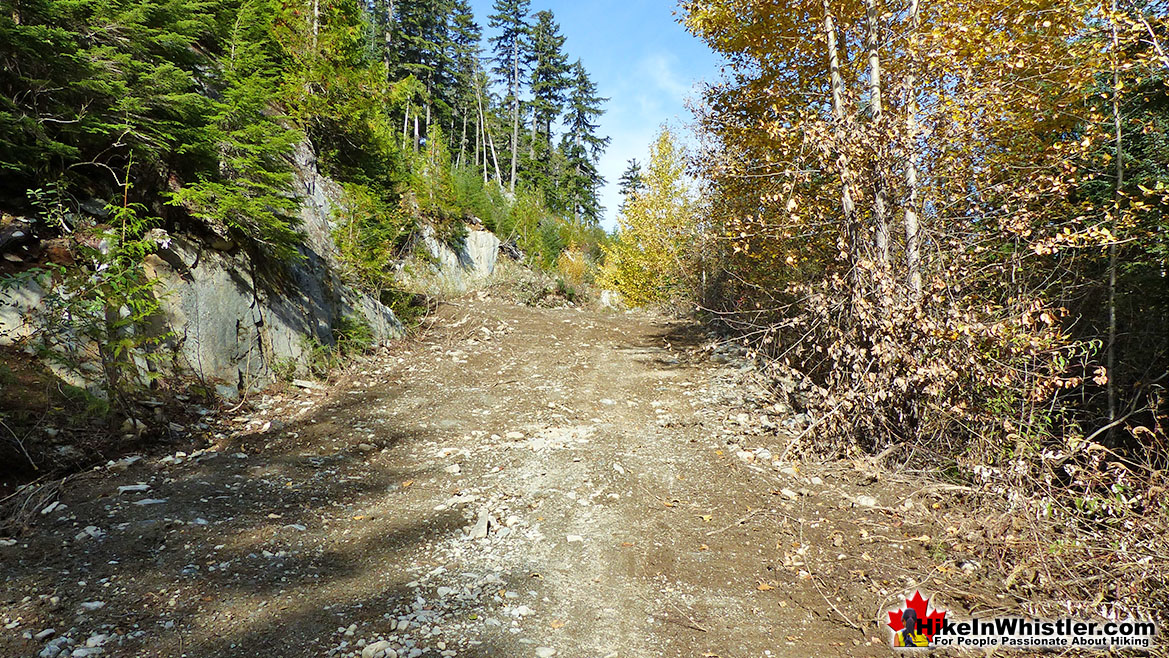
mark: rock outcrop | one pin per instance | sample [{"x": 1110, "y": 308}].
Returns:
[
  {"x": 236, "y": 320},
  {"x": 456, "y": 270}
]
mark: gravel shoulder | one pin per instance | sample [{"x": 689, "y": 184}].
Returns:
[{"x": 519, "y": 482}]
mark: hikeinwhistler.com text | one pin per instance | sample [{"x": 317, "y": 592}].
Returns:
[{"x": 1021, "y": 632}]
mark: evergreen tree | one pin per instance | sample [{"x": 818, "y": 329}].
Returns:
[
  {"x": 631, "y": 183},
  {"x": 465, "y": 36},
  {"x": 248, "y": 190},
  {"x": 424, "y": 49},
  {"x": 510, "y": 46},
  {"x": 582, "y": 146},
  {"x": 87, "y": 87},
  {"x": 549, "y": 80}
]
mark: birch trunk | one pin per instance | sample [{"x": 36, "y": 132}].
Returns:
[
  {"x": 1112, "y": 256},
  {"x": 912, "y": 229},
  {"x": 880, "y": 201},
  {"x": 847, "y": 205}
]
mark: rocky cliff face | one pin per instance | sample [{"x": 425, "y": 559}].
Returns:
[{"x": 237, "y": 320}]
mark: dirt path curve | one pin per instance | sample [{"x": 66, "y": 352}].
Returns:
[{"x": 521, "y": 482}]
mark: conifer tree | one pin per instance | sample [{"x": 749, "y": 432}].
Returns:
[
  {"x": 631, "y": 183},
  {"x": 549, "y": 80},
  {"x": 582, "y": 146},
  {"x": 465, "y": 35},
  {"x": 510, "y": 46},
  {"x": 248, "y": 190}
]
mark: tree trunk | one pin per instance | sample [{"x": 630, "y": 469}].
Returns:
[
  {"x": 847, "y": 205},
  {"x": 463, "y": 141},
  {"x": 406, "y": 125},
  {"x": 416, "y": 136},
  {"x": 515, "y": 110},
  {"x": 912, "y": 230},
  {"x": 880, "y": 201},
  {"x": 1112, "y": 256},
  {"x": 489, "y": 139},
  {"x": 388, "y": 34},
  {"x": 316, "y": 21}
]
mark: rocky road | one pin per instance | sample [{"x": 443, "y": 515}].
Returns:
[{"x": 518, "y": 481}]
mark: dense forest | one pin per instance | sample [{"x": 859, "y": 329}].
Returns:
[{"x": 188, "y": 114}]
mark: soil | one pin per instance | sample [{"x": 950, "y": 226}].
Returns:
[{"x": 636, "y": 494}]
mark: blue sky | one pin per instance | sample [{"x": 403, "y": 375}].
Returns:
[{"x": 641, "y": 59}]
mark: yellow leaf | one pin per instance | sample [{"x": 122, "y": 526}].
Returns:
[{"x": 763, "y": 587}]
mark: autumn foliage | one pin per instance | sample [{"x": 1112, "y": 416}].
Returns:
[{"x": 921, "y": 217}]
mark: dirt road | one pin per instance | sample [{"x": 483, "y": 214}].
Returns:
[{"x": 518, "y": 482}]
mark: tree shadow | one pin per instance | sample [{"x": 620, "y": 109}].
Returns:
[{"x": 265, "y": 546}]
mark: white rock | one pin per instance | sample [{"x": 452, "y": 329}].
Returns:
[
  {"x": 90, "y": 606},
  {"x": 454, "y": 469},
  {"x": 375, "y": 649},
  {"x": 789, "y": 494},
  {"x": 572, "y": 539},
  {"x": 56, "y": 504},
  {"x": 479, "y": 531},
  {"x": 866, "y": 501},
  {"x": 45, "y": 634},
  {"x": 7, "y": 542},
  {"x": 545, "y": 652},
  {"x": 149, "y": 501},
  {"x": 131, "y": 488},
  {"x": 514, "y": 436},
  {"x": 97, "y": 640},
  {"x": 617, "y": 467}
]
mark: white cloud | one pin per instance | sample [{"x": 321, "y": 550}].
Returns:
[{"x": 658, "y": 70}]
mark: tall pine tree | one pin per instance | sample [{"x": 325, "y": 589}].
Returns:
[
  {"x": 549, "y": 81},
  {"x": 510, "y": 46},
  {"x": 582, "y": 147}
]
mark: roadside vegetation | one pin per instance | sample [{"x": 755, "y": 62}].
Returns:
[{"x": 941, "y": 227}]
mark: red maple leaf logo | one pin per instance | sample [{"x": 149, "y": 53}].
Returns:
[{"x": 931, "y": 619}]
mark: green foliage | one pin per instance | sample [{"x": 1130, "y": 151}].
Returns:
[
  {"x": 408, "y": 307},
  {"x": 370, "y": 236},
  {"x": 351, "y": 337},
  {"x": 104, "y": 312},
  {"x": 87, "y": 86},
  {"x": 248, "y": 190}
]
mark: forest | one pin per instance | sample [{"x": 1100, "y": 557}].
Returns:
[{"x": 187, "y": 114}]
